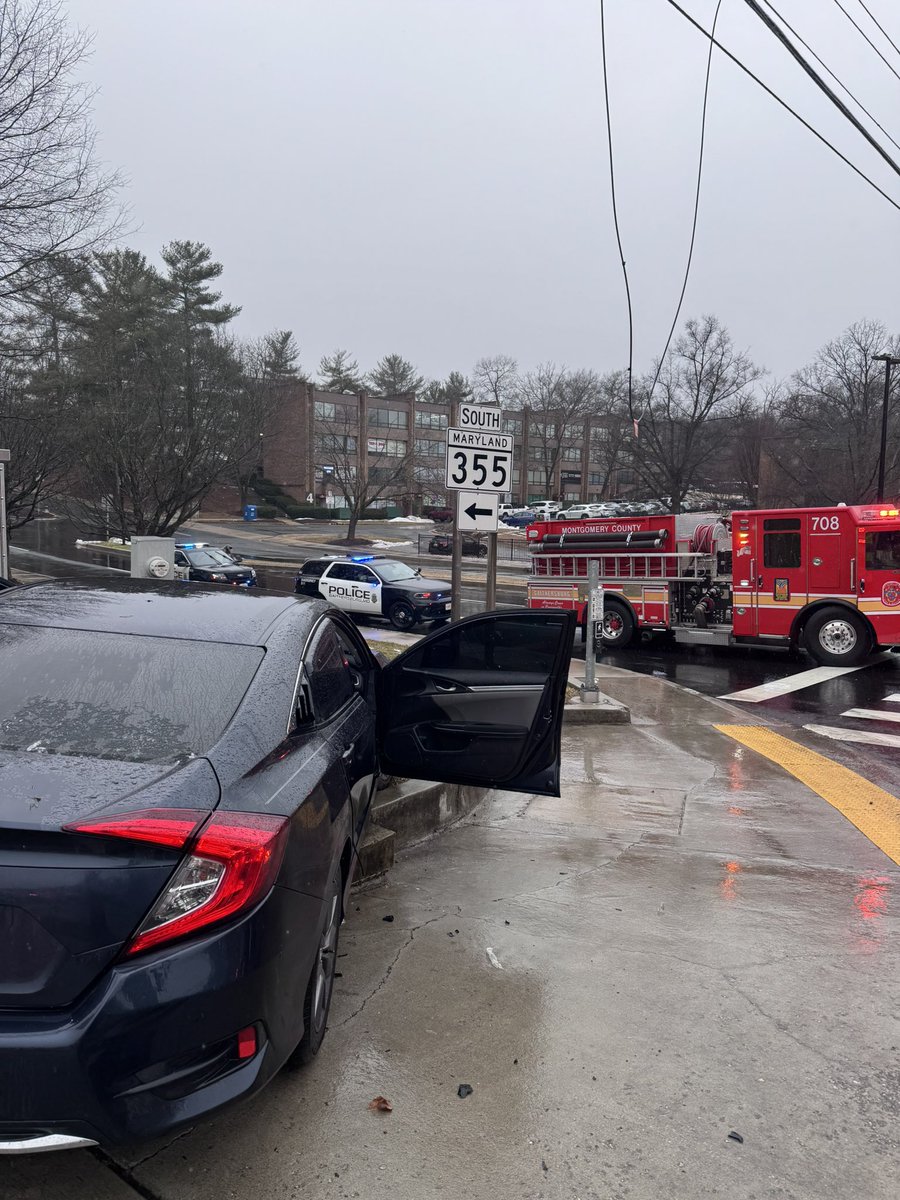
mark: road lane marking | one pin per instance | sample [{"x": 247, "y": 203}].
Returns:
[
  {"x": 874, "y": 812},
  {"x": 864, "y": 737},
  {"x": 794, "y": 683},
  {"x": 872, "y": 714}
]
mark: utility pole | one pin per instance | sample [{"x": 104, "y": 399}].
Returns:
[
  {"x": 889, "y": 361},
  {"x": 490, "y": 586},
  {"x": 4, "y": 544}
]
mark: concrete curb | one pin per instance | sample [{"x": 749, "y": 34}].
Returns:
[
  {"x": 406, "y": 813},
  {"x": 605, "y": 712}
]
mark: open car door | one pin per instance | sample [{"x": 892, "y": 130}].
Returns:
[{"x": 480, "y": 702}]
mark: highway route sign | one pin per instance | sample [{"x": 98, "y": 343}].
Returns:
[
  {"x": 479, "y": 416},
  {"x": 477, "y": 512},
  {"x": 478, "y": 461}
]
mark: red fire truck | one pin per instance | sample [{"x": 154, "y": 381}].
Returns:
[{"x": 826, "y": 579}]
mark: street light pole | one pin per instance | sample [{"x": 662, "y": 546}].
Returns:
[{"x": 889, "y": 361}]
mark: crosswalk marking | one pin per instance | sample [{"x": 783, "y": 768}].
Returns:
[
  {"x": 872, "y": 714},
  {"x": 796, "y": 683},
  {"x": 865, "y": 736}
]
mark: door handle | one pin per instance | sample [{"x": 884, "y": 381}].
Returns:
[
  {"x": 759, "y": 583},
  {"x": 347, "y": 754},
  {"x": 445, "y": 687},
  {"x": 862, "y": 585}
]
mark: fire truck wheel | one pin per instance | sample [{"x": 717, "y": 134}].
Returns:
[
  {"x": 618, "y": 625},
  {"x": 836, "y": 637}
]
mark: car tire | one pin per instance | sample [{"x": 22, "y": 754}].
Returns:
[
  {"x": 618, "y": 626},
  {"x": 402, "y": 615},
  {"x": 837, "y": 637},
  {"x": 482, "y": 551},
  {"x": 317, "y": 999}
]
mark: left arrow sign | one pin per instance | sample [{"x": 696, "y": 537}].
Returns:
[{"x": 474, "y": 511}]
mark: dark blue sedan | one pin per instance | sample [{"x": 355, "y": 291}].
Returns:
[{"x": 185, "y": 774}]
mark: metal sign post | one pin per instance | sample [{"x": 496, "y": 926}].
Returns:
[
  {"x": 490, "y": 585},
  {"x": 593, "y": 618},
  {"x": 4, "y": 540},
  {"x": 456, "y": 547}
]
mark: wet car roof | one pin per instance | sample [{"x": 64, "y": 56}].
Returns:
[{"x": 194, "y": 612}]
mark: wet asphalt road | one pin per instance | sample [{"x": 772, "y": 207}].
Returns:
[{"x": 715, "y": 672}]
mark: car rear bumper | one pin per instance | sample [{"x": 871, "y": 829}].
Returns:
[{"x": 153, "y": 1045}]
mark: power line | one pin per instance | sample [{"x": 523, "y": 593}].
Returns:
[
  {"x": 864, "y": 35},
  {"x": 826, "y": 67},
  {"x": 878, "y": 24},
  {"x": 820, "y": 82},
  {"x": 853, "y": 167},
  {"x": 687, "y": 269},
  {"x": 612, "y": 183}
]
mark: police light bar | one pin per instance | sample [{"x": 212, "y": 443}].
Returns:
[
  {"x": 361, "y": 557},
  {"x": 873, "y": 514}
]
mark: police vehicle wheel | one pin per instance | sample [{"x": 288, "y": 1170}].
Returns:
[
  {"x": 618, "y": 625},
  {"x": 836, "y": 637},
  {"x": 402, "y": 615},
  {"x": 482, "y": 551}
]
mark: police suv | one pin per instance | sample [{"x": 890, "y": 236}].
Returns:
[{"x": 373, "y": 586}]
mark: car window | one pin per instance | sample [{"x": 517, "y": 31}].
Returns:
[
  {"x": 883, "y": 550},
  {"x": 118, "y": 696},
  {"x": 329, "y": 673},
  {"x": 499, "y": 645},
  {"x": 314, "y": 567},
  {"x": 180, "y": 559},
  {"x": 342, "y": 571},
  {"x": 206, "y": 559}
]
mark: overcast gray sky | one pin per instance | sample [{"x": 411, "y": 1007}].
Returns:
[{"x": 430, "y": 176}]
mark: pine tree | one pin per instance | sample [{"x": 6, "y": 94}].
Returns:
[
  {"x": 394, "y": 375},
  {"x": 338, "y": 372}
]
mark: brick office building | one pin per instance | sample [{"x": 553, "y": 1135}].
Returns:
[{"x": 405, "y": 439}]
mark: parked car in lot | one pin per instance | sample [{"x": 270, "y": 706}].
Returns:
[
  {"x": 369, "y": 585},
  {"x": 186, "y": 775},
  {"x": 518, "y": 520},
  {"x": 442, "y": 543},
  {"x": 201, "y": 563},
  {"x": 439, "y": 515}
]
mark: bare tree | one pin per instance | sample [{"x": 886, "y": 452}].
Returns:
[
  {"x": 557, "y": 403},
  {"x": 269, "y": 364},
  {"x": 365, "y": 470},
  {"x": 54, "y": 197},
  {"x": 610, "y": 428},
  {"x": 495, "y": 380},
  {"x": 685, "y": 426},
  {"x": 827, "y": 443},
  {"x": 36, "y": 428}
]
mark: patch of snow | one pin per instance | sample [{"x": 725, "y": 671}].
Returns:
[
  {"x": 389, "y": 545},
  {"x": 409, "y": 521},
  {"x": 102, "y": 542}
]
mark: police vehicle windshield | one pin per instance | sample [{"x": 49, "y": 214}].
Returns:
[{"x": 394, "y": 572}]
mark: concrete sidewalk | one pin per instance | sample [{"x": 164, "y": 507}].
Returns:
[{"x": 688, "y": 943}]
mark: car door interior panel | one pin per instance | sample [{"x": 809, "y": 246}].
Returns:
[{"x": 480, "y": 702}]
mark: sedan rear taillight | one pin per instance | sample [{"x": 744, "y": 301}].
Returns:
[{"x": 232, "y": 864}]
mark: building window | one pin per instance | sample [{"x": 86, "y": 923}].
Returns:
[
  {"x": 572, "y": 454},
  {"x": 324, "y": 411},
  {"x": 334, "y": 443},
  {"x": 429, "y": 449},
  {"x": 392, "y": 418},
  {"x": 545, "y": 430},
  {"x": 430, "y": 420},
  {"x": 512, "y": 425},
  {"x": 535, "y": 453},
  {"x": 538, "y": 476},
  {"x": 516, "y": 475},
  {"x": 389, "y": 446},
  {"x": 595, "y": 479},
  {"x": 625, "y": 475}
]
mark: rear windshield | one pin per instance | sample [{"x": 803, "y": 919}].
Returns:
[{"x": 120, "y": 696}]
